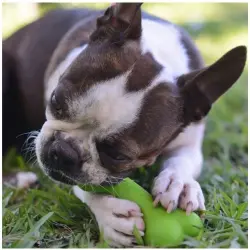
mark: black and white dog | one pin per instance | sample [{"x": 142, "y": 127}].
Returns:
[{"x": 121, "y": 89}]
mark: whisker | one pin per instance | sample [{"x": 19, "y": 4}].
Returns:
[
  {"x": 29, "y": 145},
  {"x": 27, "y": 133},
  {"x": 33, "y": 157}
]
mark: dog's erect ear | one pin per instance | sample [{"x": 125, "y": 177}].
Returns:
[
  {"x": 120, "y": 21},
  {"x": 202, "y": 88}
]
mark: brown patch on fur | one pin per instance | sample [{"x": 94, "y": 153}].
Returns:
[
  {"x": 160, "y": 115},
  {"x": 144, "y": 71},
  {"x": 100, "y": 62},
  {"x": 78, "y": 35},
  {"x": 120, "y": 22}
]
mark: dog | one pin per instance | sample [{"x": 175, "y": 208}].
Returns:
[{"x": 121, "y": 89}]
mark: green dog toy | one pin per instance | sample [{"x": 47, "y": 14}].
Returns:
[{"x": 161, "y": 228}]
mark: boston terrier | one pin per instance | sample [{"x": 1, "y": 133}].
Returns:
[{"x": 121, "y": 89}]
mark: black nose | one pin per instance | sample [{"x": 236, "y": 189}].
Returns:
[{"x": 62, "y": 156}]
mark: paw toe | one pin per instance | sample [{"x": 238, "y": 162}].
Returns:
[
  {"x": 126, "y": 225},
  {"x": 117, "y": 239},
  {"x": 125, "y": 207},
  {"x": 192, "y": 198},
  {"x": 171, "y": 192}
]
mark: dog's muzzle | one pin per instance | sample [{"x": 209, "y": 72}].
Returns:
[{"x": 62, "y": 157}]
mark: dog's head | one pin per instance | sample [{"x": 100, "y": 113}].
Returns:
[{"x": 113, "y": 109}]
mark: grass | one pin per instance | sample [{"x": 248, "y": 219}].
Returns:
[{"x": 51, "y": 217}]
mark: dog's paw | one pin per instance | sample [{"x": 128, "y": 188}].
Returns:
[
  {"x": 173, "y": 189},
  {"x": 116, "y": 217}
]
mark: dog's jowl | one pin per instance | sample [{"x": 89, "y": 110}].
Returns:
[{"x": 121, "y": 89}]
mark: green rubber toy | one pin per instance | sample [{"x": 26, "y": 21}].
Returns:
[{"x": 162, "y": 229}]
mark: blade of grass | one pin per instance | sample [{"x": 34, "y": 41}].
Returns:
[
  {"x": 29, "y": 239},
  {"x": 6, "y": 201}
]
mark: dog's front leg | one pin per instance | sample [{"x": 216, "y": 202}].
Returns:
[
  {"x": 175, "y": 186},
  {"x": 116, "y": 217}
]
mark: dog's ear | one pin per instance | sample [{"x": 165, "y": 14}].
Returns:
[
  {"x": 120, "y": 21},
  {"x": 201, "y": 88}
]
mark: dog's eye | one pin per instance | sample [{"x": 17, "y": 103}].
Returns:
[
  {"x": 55, "y": 104},
  {"x": 117, "y": 156},
  {"x": 111, "y": 152}
]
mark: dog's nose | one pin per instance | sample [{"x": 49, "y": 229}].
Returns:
[{"x": 62, "y": 156}]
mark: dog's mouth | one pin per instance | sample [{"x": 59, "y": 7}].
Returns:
[
  {"x": 63, "y": 161},
  {"x": 60, "y": 176},
  {"x": 116, "y": 178},
  {"x": 66, "y": 178}
]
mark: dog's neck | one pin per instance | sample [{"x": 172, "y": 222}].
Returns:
[{"x": 163, "y": 41}]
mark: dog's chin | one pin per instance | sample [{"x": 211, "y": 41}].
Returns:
[
  {"x": 109, "y": 182},
  {"x": 58, "y": 176},
  {"x": 69, "y": 179},
  {"x": 116, "y": 178},
  {"x": 64, "y": 179}
]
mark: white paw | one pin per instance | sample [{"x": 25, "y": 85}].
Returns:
[
  {"x": 173, "y": 189},
  {"x": 116, "y": 217}
]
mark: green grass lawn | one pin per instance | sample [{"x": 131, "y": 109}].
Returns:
[{"x": 51, "y": 217}]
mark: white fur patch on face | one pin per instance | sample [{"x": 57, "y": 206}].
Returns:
[
  {"x": 47, "y": 131},
  {"x": 107, "y": 106},
  {"x": 54, "y": 78},
  {"x": 164, "y": 42}
]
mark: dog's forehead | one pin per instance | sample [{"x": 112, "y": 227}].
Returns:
[
  {"x": 105, "y": 86},
  {"x": 101, "y": 62}
]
